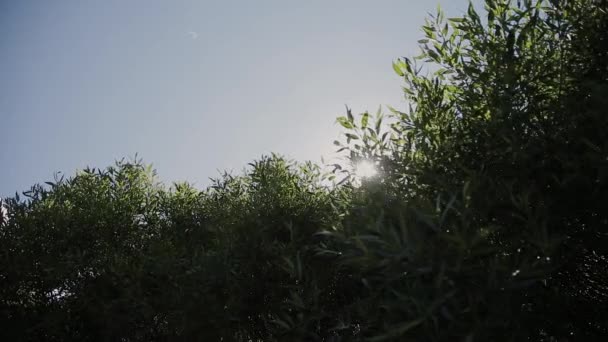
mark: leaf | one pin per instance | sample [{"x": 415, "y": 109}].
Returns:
[
  {"x": 345, "y": 122},
  {"x": 344, "y": 180},
  {"x": 281, "y": 323},
  {"x": 364, "y": 120},
  {"x": 398, "y": 331},
  {"x": 350, "y": 136},
  {"x": 398, "y": 70},
  {"x": 349, "y": 114},
  {"x": 429, "y": 31},
  {"x": 378, "y": 124},
  {"x": 591, "y": 145},
  {"x": 433, "y": 55}
]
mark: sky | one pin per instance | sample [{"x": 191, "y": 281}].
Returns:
[{"x": 193, "y": 87}]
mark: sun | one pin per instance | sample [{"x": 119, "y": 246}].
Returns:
[{"x": 365, "y": 169}]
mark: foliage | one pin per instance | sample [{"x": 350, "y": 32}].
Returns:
[
  {"x": 504, "y": 138},
  {"x": 486, "y": 220}
]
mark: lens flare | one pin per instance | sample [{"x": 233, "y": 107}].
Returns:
[{"x": 365, "y": 169}]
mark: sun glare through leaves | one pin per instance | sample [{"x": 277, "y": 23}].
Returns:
[{"x": 365, "y": 169}]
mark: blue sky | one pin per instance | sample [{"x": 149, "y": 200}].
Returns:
[{"x": 193, "y": 87}]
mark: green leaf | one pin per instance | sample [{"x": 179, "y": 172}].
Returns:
[
  {"x": 433, "y": 55},
  {"x": 456, "y": 20},
  {"x": 351, "y": 136},
  {"x": 429, "y": 31},
  {"x": 349, "y": 114},
  {"x": 364, "y": 120},
  {"x": 378, "y": 124},
  {"x": 345, "y": 122},
  {"x": 398, "y": 70}
]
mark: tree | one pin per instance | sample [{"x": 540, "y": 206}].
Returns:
[
  {"x": 486, "y": 220},
  {"x": 504, "y": 139}
]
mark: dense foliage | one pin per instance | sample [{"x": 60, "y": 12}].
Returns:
[{"x": 487, "y": 220}]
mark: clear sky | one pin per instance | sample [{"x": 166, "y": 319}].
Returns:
[{"x": 192, "y": 86}]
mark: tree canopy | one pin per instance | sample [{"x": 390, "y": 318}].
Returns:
[{"x": 487, "y": 219}]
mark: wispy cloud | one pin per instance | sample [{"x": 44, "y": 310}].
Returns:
[{"x": 193, "y": 34}]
